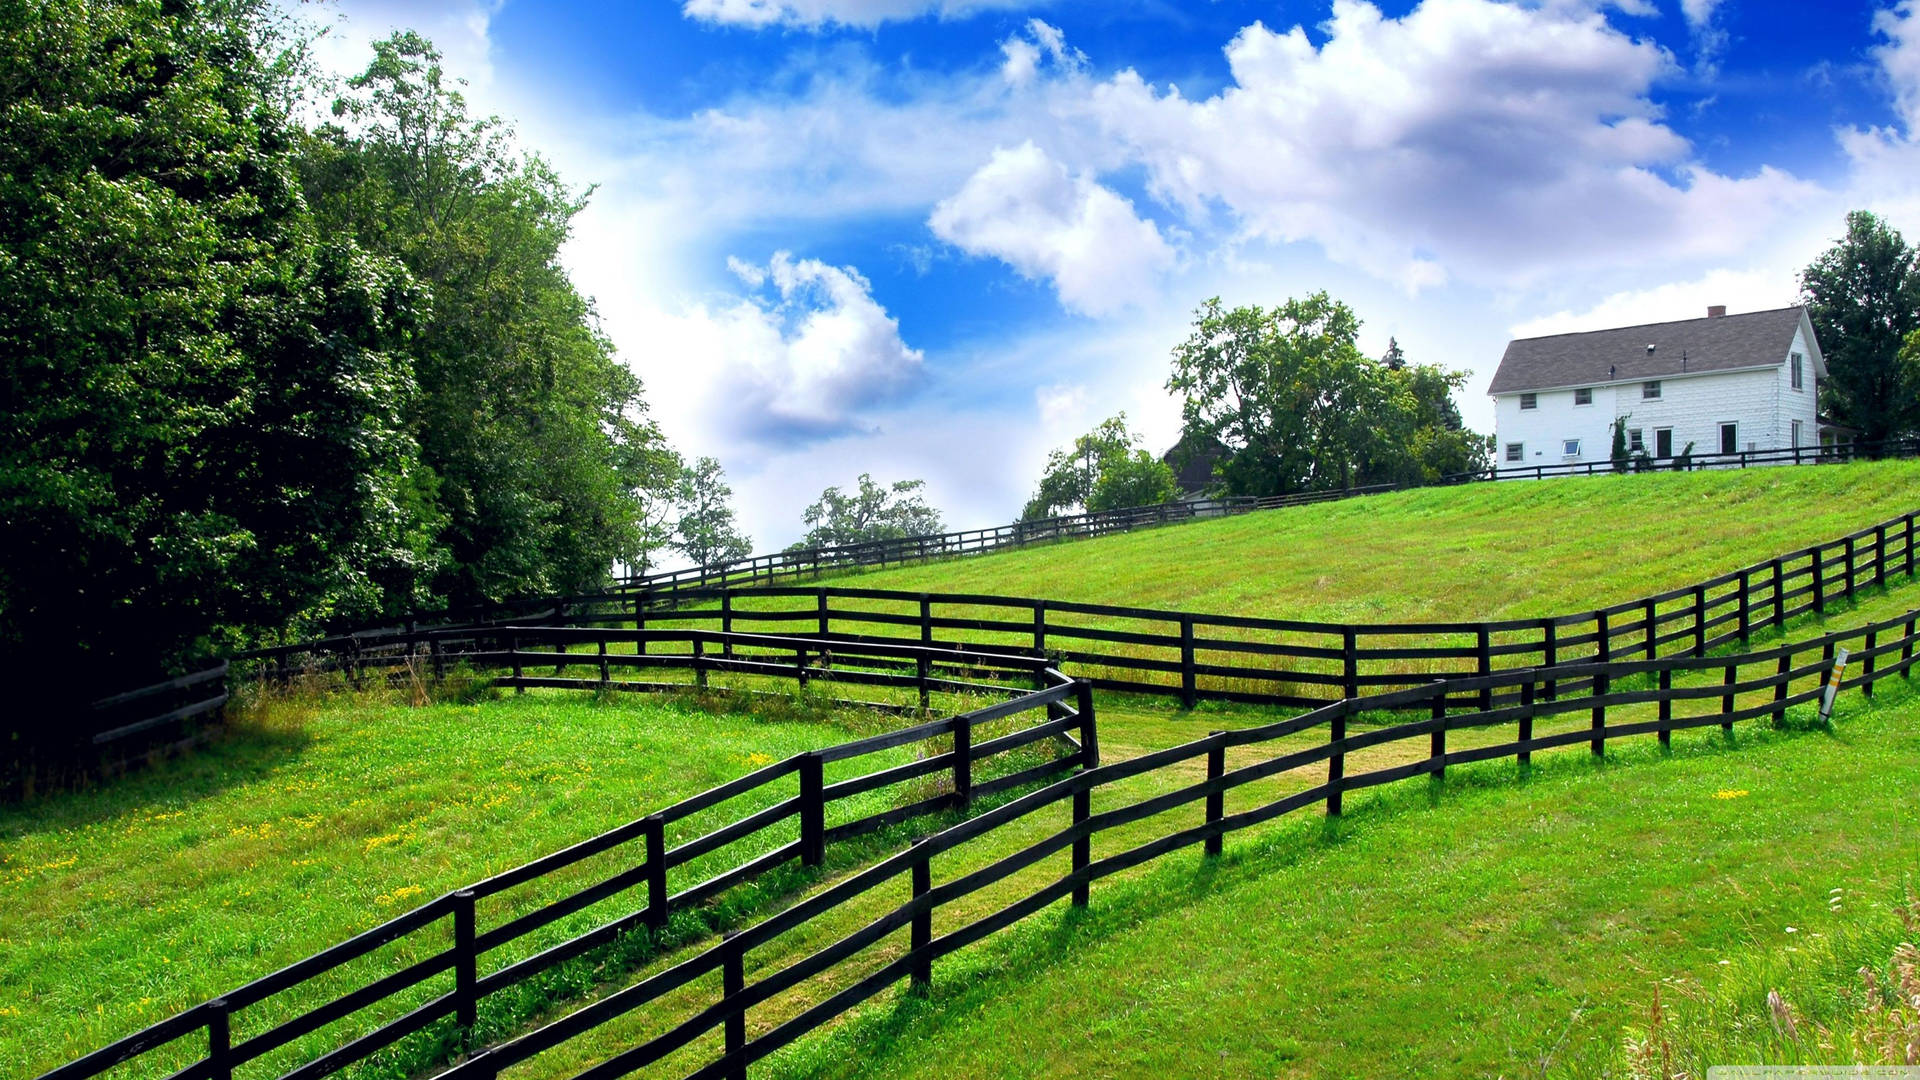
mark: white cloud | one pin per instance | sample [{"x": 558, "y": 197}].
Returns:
[
  {"x": 1709, "y": 37},
  {"x": 1757, "y": 289},
  {"x": 1042, "y": 42},
  {"x": 1470, "y": 138},
  {"x": 819, "y": 14},
  {"x": 1899, "y": 57},
  {"x": 1024, "y": 208},
  {"x": 807, "y": 363},
  {"x": 461, "y": 30},
  {"x": 1886, "y": 160}
]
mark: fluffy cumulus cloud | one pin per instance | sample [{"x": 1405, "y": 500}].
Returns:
[
  {"x": 1493, "y": 141},
  {"x": 1709, "y": 37},
  {"x": 807, "y": 357},
  {"x": 1024, "y": 208},
  {"x": 1757, "y": 289},
  {"x": 1886, "y": 160},
  {"x": 818, "y": 14}
]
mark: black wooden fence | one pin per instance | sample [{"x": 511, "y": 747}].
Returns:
[
  {"x": 812, "y": 562},
  {"x": 1196, "y": 656},
  {"x": 1763, "y": 684},
  {"x": 1066, "y": 710}
]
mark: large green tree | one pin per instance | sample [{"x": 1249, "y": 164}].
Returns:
[
  {"x": 1863, "y": 298},
  {"x": 869, "y": 512},
  {"x": 535, "y": 431},
  {"x": 706, "y": 531},
  {"x": 1293, "y": 405},
  {"x": 1072, "y": 480},
  {"x": 202, "y": 389}
]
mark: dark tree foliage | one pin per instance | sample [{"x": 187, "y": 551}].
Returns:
[
  {"x": 1100, "y": 471},
  {"x": 535, "y": 431},
  {"x": 705, "y": 531},
  {"x": 1295, "y": 406},
  {"x": 1863, "y": 299},
  {"x": 201, "y": 395},
  {"x": 870, "y": 512}
]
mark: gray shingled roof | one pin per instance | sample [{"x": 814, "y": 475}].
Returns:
[{"x": 1714, "y": 344}]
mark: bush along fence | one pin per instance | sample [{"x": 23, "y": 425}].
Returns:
[
  {"x": 1323, "y": 752},
  {"x": 812, "y": 562},
  {"x": 1196, "y": 656},
  {"x": 788, "y": 811}
]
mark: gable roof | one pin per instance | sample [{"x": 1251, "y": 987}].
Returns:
[{"x": 1721, "y": 343}]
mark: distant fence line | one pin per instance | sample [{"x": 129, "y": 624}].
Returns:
[
  {"x": 759, "y": 569},
  {"x": 1752, "y": 685},
  {"x": 1065, "y": 709}
]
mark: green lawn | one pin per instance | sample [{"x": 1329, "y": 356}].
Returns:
[
  {"x": 1482, "y": 551},
  {"x": 1502, "y": 928}
]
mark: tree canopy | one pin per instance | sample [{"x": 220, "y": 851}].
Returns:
[
  {"x": 870, "y": 512},
  {"x": 1293, "y": 405},
  {"x": 1863, "y": 299},
  {"x": 263, "y": 378},
  {"x": 706, "y": 531},
  {"x": 1101, "y": 470}
]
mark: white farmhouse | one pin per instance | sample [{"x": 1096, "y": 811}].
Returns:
[{"x": 1723, "y": 384}]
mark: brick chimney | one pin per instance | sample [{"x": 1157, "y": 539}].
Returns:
[{"x": 1715, "y": 311}]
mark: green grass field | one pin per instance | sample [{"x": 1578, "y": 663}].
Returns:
[{"x": 1505, "y": 923}]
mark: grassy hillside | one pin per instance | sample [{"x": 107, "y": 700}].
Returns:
[
  {"x": 1516, "y": 549},
  {"x": 1504, "y": 928},
  {"x": 122, "y": 905}
]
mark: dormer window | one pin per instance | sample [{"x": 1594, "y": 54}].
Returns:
[
  {"x": 1650, "y": 391},
  {"x": 1529, "y": 401}
]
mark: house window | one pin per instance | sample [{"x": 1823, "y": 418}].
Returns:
[
  {"x": 1729, "y": 438},
  {"x": 1570, "y": 448},
  {"x": 1636, "y": 441},
  {"x": 1514, "y": 451},
  {"x": 1663, "y": 442},
  {"x": 1793, "y": 365},
  {"x": 1529, "y": 401},
  {"x": 1650, "y": 391},
  {"x": 1583, "y": 396},
  {"x": 1796, "y": 435}
]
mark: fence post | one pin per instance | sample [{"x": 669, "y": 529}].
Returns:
[
  {"x": 1437, "y": 740},
  {"x": 1350, "y": 663},
  {"x": 219, "y": 1041},
  {"x": 1550, "y": 655},
  {"x": 604, "y": 677},
  {"x": 962, "y": 762},
  {"x": 513, "y": 649},
  {"x": 1089, "y": 731},
  {"x": 921, "y": 672},
  {"x": 813, "y": 809},
  {"x": 1909, "y": 545},
  {"x": 800, "y": 665},
  {"x": 823, "y": 611},
  {"x": 1866, "y": 663},
  {"x": 640, "y": 624},
  {"x": 1880, "y": 554},
  {"x": 699, "y": 661},
  {"x": 1189, "y": 691},
  {"x": 1666, "y": 707},
  {"x": 1652, "y": 623},
  {"x": 1525, "y": 755},
  {"x": 926, "y": 620},
  {"x": 1699, "y": 620},
  {"x": 733, "y": 982},
  {"x": 1216, "y": 800},
  {"x": 1483, "y": 661},
  {"x": 1726, "y": 699},
  {"x": 1083, "y": 846},
  {"x": 1780, "y": 689},
  {"x": 1849, "y": 577},
  {"x": 1601, "y": 685},
  {"x": 465, "y": 965},
  {"x": 1746, "y": 607},
  {"x": 1906, "y": 652},
  {"x": 1337, "y": 762},
  {"x": 1040, "y": 626},
  {"x": 726, "y": 623},
  {"x": 1602, "y": 646},
  {"x": 656, "y": 833},
  {"x": 922, "y": 934}
]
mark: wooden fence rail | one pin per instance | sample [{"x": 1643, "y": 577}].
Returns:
[
  {"x": 1066, "y": 716},
  {"x": 1771, "y": 681}
]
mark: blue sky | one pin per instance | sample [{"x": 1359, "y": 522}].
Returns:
[{"x": 936, "y": 238}]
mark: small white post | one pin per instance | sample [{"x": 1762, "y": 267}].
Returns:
[{"x": 1834, "y": 677}]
